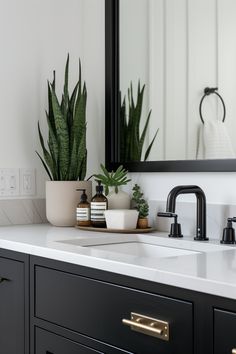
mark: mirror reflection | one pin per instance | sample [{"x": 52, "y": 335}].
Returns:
[{"x": 170, "y": 51}]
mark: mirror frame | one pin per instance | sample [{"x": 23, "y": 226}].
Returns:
[{"x": 112, "y": 131}]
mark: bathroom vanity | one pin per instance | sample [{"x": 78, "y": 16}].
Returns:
[{"x": 81, "y": 295}]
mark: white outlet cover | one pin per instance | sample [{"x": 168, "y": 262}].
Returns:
[{"x": 27, "y": 181}]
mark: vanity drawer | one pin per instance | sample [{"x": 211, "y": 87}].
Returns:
[
  {"x": 224, "y": 332},
  {"x": 96, "y": 309},
  {"x": 50, "y": 343}
]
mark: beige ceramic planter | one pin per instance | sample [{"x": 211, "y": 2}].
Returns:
[{"x": 62, "y": 199}]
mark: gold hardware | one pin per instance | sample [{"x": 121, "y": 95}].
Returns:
[
  {"x": 233, "y": 351},
  {"x": 148, "y": 325}
]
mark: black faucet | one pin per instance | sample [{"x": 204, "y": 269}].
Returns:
[{"x": 201, "y": 207}]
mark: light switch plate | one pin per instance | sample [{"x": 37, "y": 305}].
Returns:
[{"x": 9, "y": 182}]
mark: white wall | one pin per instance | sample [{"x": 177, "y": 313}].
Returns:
[
  {"x": 23, "y": 102},
  {"x": 35, "y": 37}
]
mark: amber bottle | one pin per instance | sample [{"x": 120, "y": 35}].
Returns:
[
  {"x": 83, "y": 210},
  {"x": 99, "y": 204}
]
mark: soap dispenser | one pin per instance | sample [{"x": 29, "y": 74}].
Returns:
[
  {"x": 99, "y": 204},
  {"x": 83, "y": 210},
  {"x": 229, "y": 232}
]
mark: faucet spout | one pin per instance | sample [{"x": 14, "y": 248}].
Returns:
[{"x": 201, "y": 207}]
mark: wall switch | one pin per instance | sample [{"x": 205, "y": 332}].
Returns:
[
  {"x": 27, "y": 181},
  {"x": 9, "y": 182}
]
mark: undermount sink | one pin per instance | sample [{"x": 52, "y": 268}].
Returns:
[
  {"x": 131, "y": 245},
  {"x": 140, "y": 249}
]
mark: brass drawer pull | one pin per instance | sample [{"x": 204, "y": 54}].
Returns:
[
  {"x": 233, "y": 351},
  {"x": 148, "y": 325}
]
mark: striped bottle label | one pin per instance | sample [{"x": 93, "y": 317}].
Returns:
[
  {"x": 97, "y": 211},
  {"x": 82, "y": 214}
]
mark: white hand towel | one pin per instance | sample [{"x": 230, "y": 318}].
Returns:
[{"x": 214, "y": 142}]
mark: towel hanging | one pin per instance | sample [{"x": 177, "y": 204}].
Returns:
[{"x": 207, "y": 92}]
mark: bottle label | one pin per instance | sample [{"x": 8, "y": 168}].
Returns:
[
  {"x": 82, "y": 214},
  {"x": 97, "y": 211}
]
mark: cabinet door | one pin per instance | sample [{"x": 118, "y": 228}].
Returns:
[
  {"x": 224, "y": 332},
  {"x": 12, "y": 307},
  {"x": 50, "y": 343}
]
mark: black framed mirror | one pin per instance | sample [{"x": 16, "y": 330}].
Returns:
[{"x": 113, "y": 104}]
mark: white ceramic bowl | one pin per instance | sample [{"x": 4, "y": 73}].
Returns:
[{"x": 121, "y": 219}]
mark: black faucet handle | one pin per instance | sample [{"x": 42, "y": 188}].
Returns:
[
  {"x": 175, "y": 230},
  {"x": 167, "y": 214},
  {"x": 229, "y": 232}
]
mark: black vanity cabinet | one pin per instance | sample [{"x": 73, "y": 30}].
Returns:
[
  {"x": 14, "y": 303},
  {"x": 78, "y": 310}
]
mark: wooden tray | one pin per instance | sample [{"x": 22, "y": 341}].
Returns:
[{"x": 104, "y": 229}]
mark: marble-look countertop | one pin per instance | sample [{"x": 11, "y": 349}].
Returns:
[{"x": 210, "y": 268}]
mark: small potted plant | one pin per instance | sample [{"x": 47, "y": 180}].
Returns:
[
  {"x": 142, "y": 206},
  {"x": 65, "y": 155},
  {"x": 117, "y": 199}
]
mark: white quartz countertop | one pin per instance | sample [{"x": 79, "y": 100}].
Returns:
[{"x": 210, "y": 268}]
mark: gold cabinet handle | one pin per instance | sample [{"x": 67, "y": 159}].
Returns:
[
  {"x": 148, "y": 325},
  {"x": 233, "y": 351}
]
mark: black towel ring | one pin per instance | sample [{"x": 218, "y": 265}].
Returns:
[{"x": 207, "y": 92}]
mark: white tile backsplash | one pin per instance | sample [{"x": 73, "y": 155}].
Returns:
[
  {"x": 217, "y": 215},
  {"x": 22, "y": 212}
]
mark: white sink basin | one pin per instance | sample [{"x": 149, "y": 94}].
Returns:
[
  {"x": 139, "y": 249},
  {"x": 131, "y": 245}
]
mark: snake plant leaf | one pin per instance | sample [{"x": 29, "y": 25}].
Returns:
[
  {"x": 150, "y": 146},
  {"x": 70, "y": 115},
  {"x": 66, "y": 94},
  {"x": 62, "y": 136},
  {"x": 83, "y": 167},
  {"x": 47, "y": 156},
  {"x": 44, "y": 165},
  {"x": 53, "y": 146},
  {"x": 82, "y": 155},
  {"x": 77, "y": 156},
  {"x": 144, "y": 132},
  {"x": 79, "y": 116}
]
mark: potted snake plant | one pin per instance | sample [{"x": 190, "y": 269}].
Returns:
[{"x": 65, "y": 156}]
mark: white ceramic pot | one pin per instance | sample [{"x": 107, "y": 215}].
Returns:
[
  {"x": 62, "y": 199},
  {"x": 121, "y": 219},
  {"x": 120, "y": 200}
]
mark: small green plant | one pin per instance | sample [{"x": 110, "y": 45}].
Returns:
[
  {"x": 113, "y": 179},
  {"x": 131, "y": 142},
  {"x": 140, "y": 203},
  {"x": 65, "y": 158}
]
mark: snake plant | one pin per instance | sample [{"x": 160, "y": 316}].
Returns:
[
  {"x": 65, "y": 157},
  {"x": 131, "y": 142},
  {"x": 113, "y": 179}
]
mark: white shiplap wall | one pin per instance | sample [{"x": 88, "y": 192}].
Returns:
[{"x": 191, "y": 45}]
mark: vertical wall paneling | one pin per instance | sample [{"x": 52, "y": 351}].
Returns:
[
  {"x": 175, "y": 89},
  {"x": 227, "y": 61},
  {"x": 202, "y": 65},
  {"x": 156, "y": 77}
]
